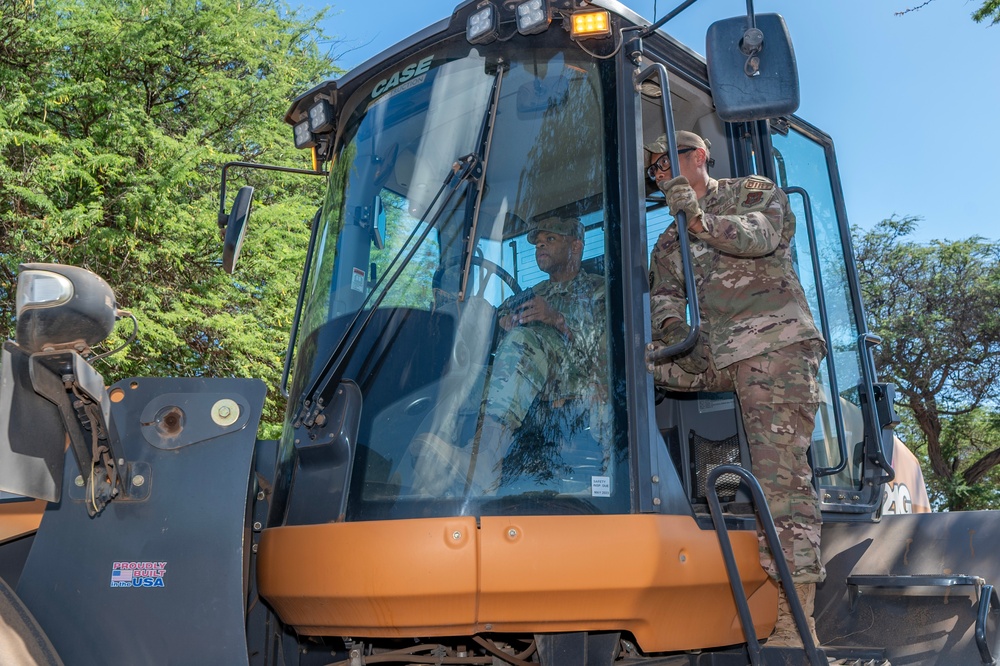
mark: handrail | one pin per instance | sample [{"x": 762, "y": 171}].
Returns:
[
  {"x": 766, "y": 522},
  {"x": 987, "y": 598},
  {"x": 690, "y": 291},
  {"x": 831, "y": 369}
]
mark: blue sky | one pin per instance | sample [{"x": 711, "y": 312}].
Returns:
[{"x": 912, "y": 101}]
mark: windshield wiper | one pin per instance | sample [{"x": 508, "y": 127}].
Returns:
[
  {"x": 466, "y": 168},
  {"x": 320, "y": 389},
  {"x": 485, "y": 144}
]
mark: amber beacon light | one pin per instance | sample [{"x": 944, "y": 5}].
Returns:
[{"x": 591, "y": 24}]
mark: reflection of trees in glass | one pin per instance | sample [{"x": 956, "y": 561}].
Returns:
[
  {"x": 325, "y": 253},
  {"x": 548, "y": 447},
  {"x": 413, "y": 287},
  {"x": 803, "y": 164},
  {"x": 567, "y": 123}
]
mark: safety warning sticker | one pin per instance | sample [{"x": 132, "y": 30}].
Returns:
[
  {"x": 358, "y": 280},
  {"x": 600, "y": 486}
]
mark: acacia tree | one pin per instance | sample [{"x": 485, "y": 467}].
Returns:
[
  {"x": 988, "y": 10},
  {"x": 935, "y": 307},
  {"x": 115, "y": 119}
]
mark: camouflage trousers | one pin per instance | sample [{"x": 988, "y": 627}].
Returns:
[
  {"x": 778, "y": 395},
  {"x": 528, "y": 365}
]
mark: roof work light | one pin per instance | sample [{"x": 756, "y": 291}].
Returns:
[
  {"x": 533, "y": 17},
  {"x": 588, "y": 25},
  {"x": 303, "y": 136},
  {"x": 481, "y": 27},
  {"x": 321, "y": 117}
]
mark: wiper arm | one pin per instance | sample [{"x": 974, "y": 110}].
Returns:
[
  {"x": 485, "y": 144},
  {"x": 321, "y": 388},
  {"x": 469, "y": 167}
]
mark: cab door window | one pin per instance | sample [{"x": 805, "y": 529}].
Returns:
[{"x": 802, "y": 167}]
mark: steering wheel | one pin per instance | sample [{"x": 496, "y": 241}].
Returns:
[{"x": 486, "y": 268}]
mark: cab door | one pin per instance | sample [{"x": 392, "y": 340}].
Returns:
[{"x": 853, "y": 430}]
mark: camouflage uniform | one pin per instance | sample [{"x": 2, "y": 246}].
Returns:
[
  {"x": 536, "y": 360},
  {"x": 760, "y": 342}
]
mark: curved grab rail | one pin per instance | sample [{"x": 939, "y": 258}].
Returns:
[
  {"x": 690, "y": 292},
  {"x": 765, "y": 520},
  {"x": 987, "y": 599},
  {"x": 831, "y": 366}
]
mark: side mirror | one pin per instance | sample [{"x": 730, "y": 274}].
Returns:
[
  {"x": 378, "y": 224},
  {"x": 236, "y": 228},
  {"x": 752, "y": 70}
]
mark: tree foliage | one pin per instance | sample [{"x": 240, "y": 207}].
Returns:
[
  {"x": 115, "y": 119},
  {"x": 989, "y": 10},
  {"x": 935, "y": 307}
]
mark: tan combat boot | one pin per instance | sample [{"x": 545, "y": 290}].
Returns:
[{"x": 786, "y": 634}]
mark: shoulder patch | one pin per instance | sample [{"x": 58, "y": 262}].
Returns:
[{"x": 758, "y": 183}]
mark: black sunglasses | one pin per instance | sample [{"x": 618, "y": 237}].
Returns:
[{"x": 663, "y": 164}]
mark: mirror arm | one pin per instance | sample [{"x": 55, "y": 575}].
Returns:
[
  {"x": 653, "y": 27},
  {"x": 751, "y": 19},
  {"x": 223, "y": 217}
]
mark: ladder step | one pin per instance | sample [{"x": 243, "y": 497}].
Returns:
[{"x": 909, "y": 581}]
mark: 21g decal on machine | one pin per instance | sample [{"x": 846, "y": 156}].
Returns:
[{"x": 138, "y": 574}]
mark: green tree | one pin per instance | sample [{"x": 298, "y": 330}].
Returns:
[
  {"x": 935, "y": 307},
  {"x": 115, "y": 119}
]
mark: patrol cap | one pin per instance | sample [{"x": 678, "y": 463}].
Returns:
[
  {"x": 684, "y": 138},
  {"x": 566, "y": 226}
]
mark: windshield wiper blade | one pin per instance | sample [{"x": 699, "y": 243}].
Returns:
[
  {"x": 320, "y": 390},
  {"x": 469, "y": 167},
  {"x": 485, "y": 144}
]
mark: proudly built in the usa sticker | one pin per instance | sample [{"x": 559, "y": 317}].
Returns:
[{"x": 138, "y": 574}]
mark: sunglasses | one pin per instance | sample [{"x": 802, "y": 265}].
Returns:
[{"x": 663, "y": 164}]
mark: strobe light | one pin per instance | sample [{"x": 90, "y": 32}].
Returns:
[{"x": 590, "y": 24}]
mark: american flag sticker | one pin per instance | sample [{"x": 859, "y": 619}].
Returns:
[{"x": 121, "y": 577}]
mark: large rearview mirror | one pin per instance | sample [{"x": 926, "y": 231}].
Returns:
[
  {"x": 236, "y": 228},
  {"x": 752, "y": 71}
]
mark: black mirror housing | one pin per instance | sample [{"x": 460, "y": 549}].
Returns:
[
  {"x": 745, "y": 89},
  {"x": 236, "y": 228}
]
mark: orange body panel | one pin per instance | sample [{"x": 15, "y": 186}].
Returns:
[
  {"x": 660, "y": 578},
  {"x": 18, "y": 519}
]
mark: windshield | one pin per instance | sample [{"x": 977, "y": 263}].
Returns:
[{"x": 484, "y": 366}]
